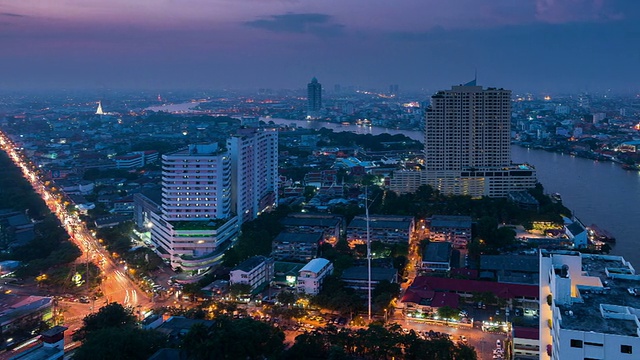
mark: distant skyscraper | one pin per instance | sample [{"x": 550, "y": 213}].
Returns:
[
  {"x": 314, "y": 98},
  {"x": 467, "y": 145}
]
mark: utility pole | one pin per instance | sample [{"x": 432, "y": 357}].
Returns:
[{"x": 366, "y": 207}]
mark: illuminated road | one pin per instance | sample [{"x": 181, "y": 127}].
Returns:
[{"x": 116, "y": 286}]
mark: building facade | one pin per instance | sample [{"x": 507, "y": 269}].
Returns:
[
  {"x": 196, "y": 222},
  {"x": 467, "y": 145},
  {"x": 311, "y": 276},
  {"x": 255, "y": 272},
  {"x": 254, "y": 172},
  {"x": 294, "y": 246},
  {"x": 388, "y": 229},
  {"x": 589, "y": 306}
]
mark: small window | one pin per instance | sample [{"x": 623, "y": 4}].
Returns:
[
  {"x": 626, "y": 349},
  {"x": 576, "y": 343}
]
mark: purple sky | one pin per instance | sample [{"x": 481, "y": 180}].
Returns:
[{"x": 525, "y": 45}]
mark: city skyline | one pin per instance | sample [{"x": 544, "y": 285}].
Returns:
[{"x": 543, "y": 45}]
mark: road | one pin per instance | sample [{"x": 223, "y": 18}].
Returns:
[{"x": 116, "y": 286}]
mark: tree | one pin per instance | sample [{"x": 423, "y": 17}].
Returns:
[
  {"x": 239, "y": 289},
  {"x": 112, "y": 315},
  {"x": 286, "y": 297},
  {"x": 120, "y": 343},
  {"x": 234, "y": 339},
  {"x": 447, "y": 313}
]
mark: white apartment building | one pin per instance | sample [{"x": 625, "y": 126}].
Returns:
[
  {"x": 468, "y": 146},
  {"x": 196, "y": 217},
  {"x": 311, "y": 276},
  {"x": 256, "y": 272},
  {"x": 254, "y": 172},
  {"x": 589, "y": 307}
]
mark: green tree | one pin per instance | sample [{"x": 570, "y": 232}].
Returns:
[
  {"x": 447, "y": 313},
  {"x": 112, "y": 315},
  {"x": 120, "y": 343},
  {"x": 237, "y": 339},
  {"x": 287, "y": 298}
]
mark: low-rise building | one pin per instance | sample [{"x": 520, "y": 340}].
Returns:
[
  {"x": 255, "y": 272},
  {"x": 330, "y": 226},
  {"x": 388, "y": 229},
  {"x": 577, "y": 233},
  {"x": 18, "y": 310},
  {"x": 437, "y": 257},
  {"x": 311, "y": 276},
  {"x": 293, "y": 246},
  {"x": 450, "y": 226},
  {"x": 521, "y": 269},
  {"x": 525, "y": 296},
  {"x": 358, "y": 277}
]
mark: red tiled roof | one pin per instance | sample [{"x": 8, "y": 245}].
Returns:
[
  {"x": 438, "y": 299},
  {"x": 526, "y": 333},
  {"x": 416, "y": 295},
  {"x": 470, "y": 273},
  {"x": 501, "y": 290},
  {"x": 445, "y": 299}
]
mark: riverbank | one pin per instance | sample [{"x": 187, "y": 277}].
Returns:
[{"x": 598, "y": 192}]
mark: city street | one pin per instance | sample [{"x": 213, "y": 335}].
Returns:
[
  {"x": 483, "y": 342},
  {"x": 116, "y": 287}
]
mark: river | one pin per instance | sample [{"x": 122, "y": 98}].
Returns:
[{"x": 597, "y": 192}]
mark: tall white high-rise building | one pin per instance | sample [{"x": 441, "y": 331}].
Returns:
[
  {"x": 589, "y": 307},
  {"x": 197, "y": 222},
  {"x": 468, "y": 127},
  {"x": 254, "y": 171},
  {"x": 467, "y": 145}
]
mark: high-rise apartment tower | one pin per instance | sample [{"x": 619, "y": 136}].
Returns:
[
  {"x": 254, "y": 171},
  {"x": 196, "y": 222},
  {"x": 467, "y": 145},
  {"x": 314, "y": 98}
]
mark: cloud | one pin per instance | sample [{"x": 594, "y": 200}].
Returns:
[
  {"x": 14, "y": 15},
  {"x": 563, "y": 11},
  {"x": 310, "y": 23}
]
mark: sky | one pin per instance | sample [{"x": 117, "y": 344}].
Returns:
[{"x": 524, "y": 45}]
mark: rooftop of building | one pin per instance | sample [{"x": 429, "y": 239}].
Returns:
[
  {"x": 198, "y": 150},
  {"x": 437, "y": 252},
  {"x": 361, "y": 273},
  {"x": 501, "y": 290},
  {"x": 331, "y": 221},
  {"x": 294, "y": 237},
  {"x": 315, "y": 265},
  {"x": 523, "y": 197},
  {"x": 382, "y": 222},
  {"x": 531, "y": 333},
  {"x": 450, "y": 221},
  {"x": 576, "y": 228},
  {"x": 179, "y": 325},
  {"x": 588, "y": 314},
  {"x": 250, "y": 264},
  {"x": 519, "y": 263}
]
